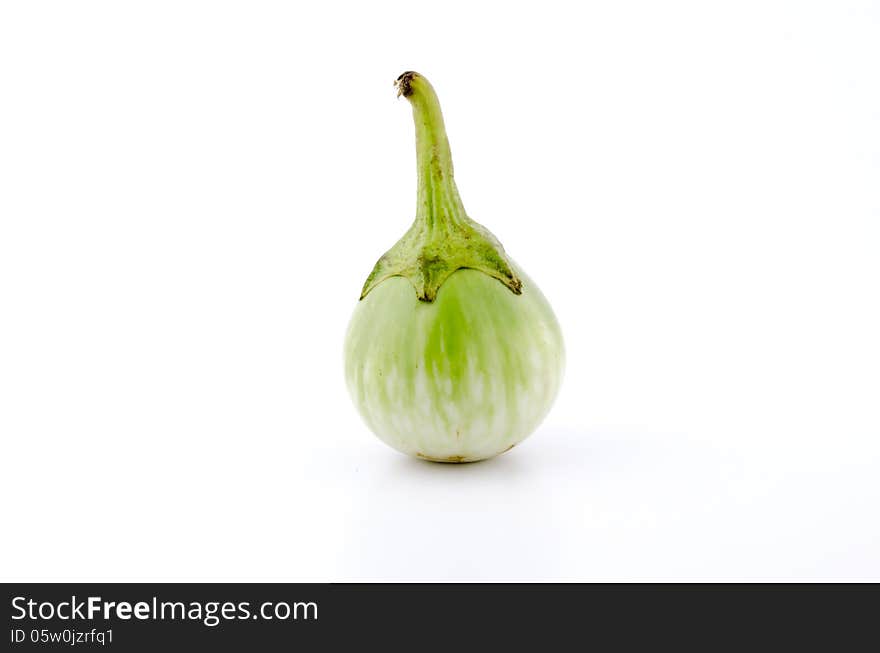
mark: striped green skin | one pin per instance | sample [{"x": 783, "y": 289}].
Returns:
[{"x": 463, "y": 378}]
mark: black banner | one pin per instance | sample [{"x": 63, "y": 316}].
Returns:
[{"x": 148, "y": 617}]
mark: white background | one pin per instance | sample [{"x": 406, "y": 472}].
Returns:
[{"x": 191, "y": 195}]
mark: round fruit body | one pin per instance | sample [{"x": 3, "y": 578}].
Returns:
[{"x": 463, "y": 378}]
